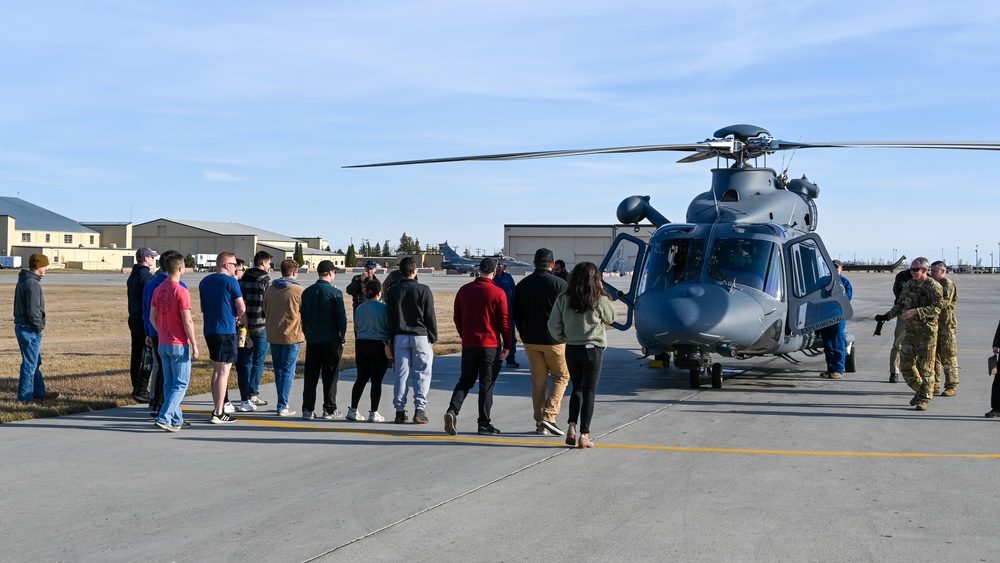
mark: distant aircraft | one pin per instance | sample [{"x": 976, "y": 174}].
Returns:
[
  {"x": 462, "y": 265},
  {"x": 874, "y": 267}
]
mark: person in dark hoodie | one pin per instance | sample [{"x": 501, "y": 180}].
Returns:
[
  {"x": 29, "y": 323},
  {"x": 250, "y": 358},
  {"x": 412, "y": 326},
  {"x": 145, "y": 258}
]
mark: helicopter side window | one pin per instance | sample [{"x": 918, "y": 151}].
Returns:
[
  {"x": 670, "y": 262},
  {"x": 811, "y": 271},
  {"x": 751, "y": 263}
]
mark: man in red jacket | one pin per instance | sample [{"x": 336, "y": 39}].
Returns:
[{"x": 482, "y": 322}]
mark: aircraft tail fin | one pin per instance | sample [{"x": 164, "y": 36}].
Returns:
[{"x": 448, "y": 252}]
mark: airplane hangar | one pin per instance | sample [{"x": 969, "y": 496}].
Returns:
[{"x": 571, "y": 243}]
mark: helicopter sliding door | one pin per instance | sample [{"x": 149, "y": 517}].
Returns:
[
  {"x": 816, "y": 298},
  {"x": 623, "y": 258}
]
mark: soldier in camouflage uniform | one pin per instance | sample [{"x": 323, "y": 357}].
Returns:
[
  {"x": 919, "y": 305},
  {"x": 947, "y": 343}
]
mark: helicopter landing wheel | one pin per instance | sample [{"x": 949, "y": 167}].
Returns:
[
  {"x": 849, "y": 362},
  {"x": 716, "y": 376},
  {"x": 695, "y": 378}
]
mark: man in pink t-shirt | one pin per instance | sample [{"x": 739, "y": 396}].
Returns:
[{"x": 170, "y": 313}]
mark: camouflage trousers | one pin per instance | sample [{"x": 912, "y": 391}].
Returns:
[
  {"x": 946, "y": 359},
  {"x": 916, "y": 363}
]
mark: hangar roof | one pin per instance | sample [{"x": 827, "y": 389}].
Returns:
[
  {"x": 230, "y": 229},
  {"x": 30, "y": 217}
]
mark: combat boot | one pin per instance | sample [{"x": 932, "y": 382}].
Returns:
[
  {"x": 916, "y": 399},
  {"x": 836, "y": 375},
  {"x": 922, "y": 406},
  {"x": 949, "y": 393}
]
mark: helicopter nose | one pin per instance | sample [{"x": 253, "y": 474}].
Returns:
[{"x": 701, "y": 314}]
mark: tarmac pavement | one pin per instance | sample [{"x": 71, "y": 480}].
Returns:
[{"x": 778, "y": 465}]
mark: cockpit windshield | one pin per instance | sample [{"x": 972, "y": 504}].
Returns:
[
  {"x": 748, "y": 262},
  {"x": 671, "y": 262}
]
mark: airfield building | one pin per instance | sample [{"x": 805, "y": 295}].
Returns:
[{"x": 571, "y": 243}]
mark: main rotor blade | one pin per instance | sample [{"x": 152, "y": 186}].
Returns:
[
  {"x": 958, "y": 145},
  {"x": 724, "y": 145}
]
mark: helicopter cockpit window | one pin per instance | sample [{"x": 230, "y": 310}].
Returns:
[
  {"x": 751, "y": 263},
  {"x": 810, "y": 269},
  {"x": 671, "y": 262}
]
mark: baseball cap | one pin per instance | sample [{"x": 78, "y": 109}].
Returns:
[
  {"x": 488, "y": 265},
  {"x": 144, "y": 252},
  {"x": 371, "y": 264},
  {"x": 325, "y": 267}
]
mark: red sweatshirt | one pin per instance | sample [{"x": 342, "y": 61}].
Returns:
[{"x": 481, "y": 315}]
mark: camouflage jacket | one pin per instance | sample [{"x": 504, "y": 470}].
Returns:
[
  {"x": 947, "y": 319},
  {"x": 926, "y": 297}
]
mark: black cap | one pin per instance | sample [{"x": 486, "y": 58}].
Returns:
[
  {"x": 325, "y": 267},
  {"x": 371, "y": 264},
  {"x": 488, "y": 265}
]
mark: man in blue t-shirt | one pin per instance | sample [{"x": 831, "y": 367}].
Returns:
[{"x": 221, "y": 305}]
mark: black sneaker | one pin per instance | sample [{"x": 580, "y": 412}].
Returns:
[
  {"x": 420, "y": 417},
  {"x": 185, "y": 424},
  {"x": 401, "y": 417},
  {"x": 222, "y": 419},
  {"x": 513, "y": 365},
  {"x": 488, "y": 430},
  {"x": 141, "y": 397},
  {"x": 893, "y": 378},
  {"x": 993, "y": 414},
  {"x": 449, "y": 423},
  {"x": 551, "y": 427}
]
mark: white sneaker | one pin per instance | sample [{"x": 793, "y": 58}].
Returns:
[
  {"x": 228, "y": 408},
  {"x": 374, "y": 416},
  {"x": 308, "y": 414},
  {"x": 331, "y": 415},
  {"x": 247, "y": 406},
  {"x": 286, "y": 412},
  {"x": 352, "y": 414}
]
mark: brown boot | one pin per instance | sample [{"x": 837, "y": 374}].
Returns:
[
  {"x": 949, "y": 393},
  {"x": 922, "y": 406}
]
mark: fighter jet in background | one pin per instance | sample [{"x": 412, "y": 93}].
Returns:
[{"x": 452, "y": 261}]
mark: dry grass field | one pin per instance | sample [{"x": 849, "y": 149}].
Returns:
[{"x": 85, "y": 350}]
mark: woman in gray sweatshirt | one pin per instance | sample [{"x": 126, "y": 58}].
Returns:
[{"x": 579, "y": 317}]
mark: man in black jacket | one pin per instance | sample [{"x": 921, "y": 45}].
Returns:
[
  {"x": 533, "y": 299},
  {"x": 137, "y": 280},
  {"x": 412, "y": 326}
]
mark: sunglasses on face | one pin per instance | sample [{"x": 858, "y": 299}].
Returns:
[{"x": 917, "y": 269}]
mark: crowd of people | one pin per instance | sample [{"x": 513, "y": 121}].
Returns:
[{"x": 561, "y": 318}]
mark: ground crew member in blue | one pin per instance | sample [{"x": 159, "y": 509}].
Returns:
[
  {"x": 324, "y": 323},
  {"x": 947, "y": 342},
  {"x": 919, "y": 305},
  {"x": 483, "y": 323},
  {"x": 834, "y": 342}
]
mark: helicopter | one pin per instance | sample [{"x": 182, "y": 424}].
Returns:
[{"x": 746, "y": 275}]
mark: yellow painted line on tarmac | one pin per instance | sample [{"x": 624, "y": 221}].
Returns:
[{"x": 603, "y": 445}]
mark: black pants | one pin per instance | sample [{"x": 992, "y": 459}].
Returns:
[
  {"x": 584, "y": 372},
  {"x": 322, "y": 357},
  {"x": 995, "y": 395},
  {"x": 482, "y": 364},
  {"x": 372, "y": 365},
  {"x": 138, "y": 331}
]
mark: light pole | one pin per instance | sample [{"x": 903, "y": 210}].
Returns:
[
  {"x": 893, "y": 254},
  {"x": 958, "y": 255},
  {"x": 977, "y": 256}
]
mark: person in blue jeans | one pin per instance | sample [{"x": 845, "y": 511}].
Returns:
[
  {"x": 170, "y": 313},
  {"x": 282, "y": 306},
  {"x": 250, "y": 358},
  {"x": 29, "y": 323}
]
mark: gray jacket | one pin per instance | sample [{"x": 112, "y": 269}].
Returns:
[{"x": 29, "y": 303}]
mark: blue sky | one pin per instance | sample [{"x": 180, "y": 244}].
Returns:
[{"x": 247, "y": 111}]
